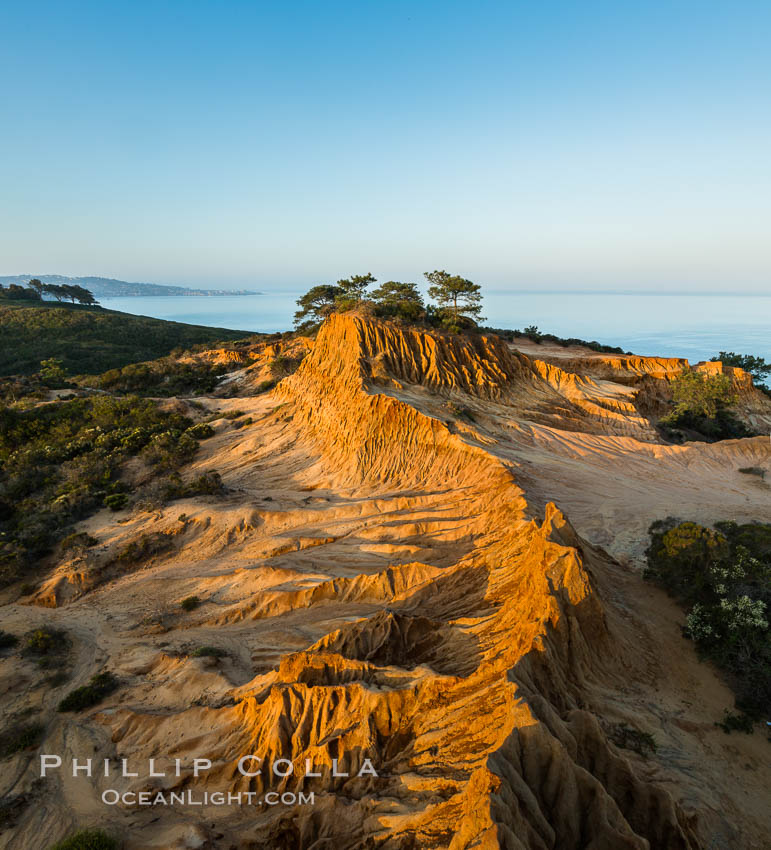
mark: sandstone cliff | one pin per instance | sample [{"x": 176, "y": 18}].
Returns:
[{"x": 392, "y": 580}]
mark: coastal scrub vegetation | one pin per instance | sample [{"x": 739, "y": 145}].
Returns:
[
  {"x": 281, "y": 366},
  {"x": 161, "y": 378},
  {"x": 49, "y": 649},
  {"x": 87, "y": 839},
  {"x": 722, "y": 577},
  {"x": 532, "y": 333},
  {"x": 45, "y": 642},
  {"x": 62, "y": 461},
  {"x": 19, "y": 737},
  {"x": 702, "y": 408},
  {"x": 630, "y": 738},
  {"x": 208, "y": 652},
  {"x": 91, "y": 340},
  {"x": 91, "y": 694},
  {"x": 146, "y": 546},
  {"x": 163, "y": 489},
  {"x": 8, "y": 640}
]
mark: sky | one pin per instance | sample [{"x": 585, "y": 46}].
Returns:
[{"x": 525, "y": 145}]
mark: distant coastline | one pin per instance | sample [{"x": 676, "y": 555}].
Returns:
[{"x": 107, "y": 287}]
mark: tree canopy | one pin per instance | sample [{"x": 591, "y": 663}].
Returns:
[
  {"x": 14, "y": 292},
  {"x": 70, "y": 292},
  {"x": 394, "y": 298},
  {"x": 354, "y": 288},
  {"x": 702, "y": 395},
  {"x": 322, "y": 300},
  {"x": 702, "y": 404},
  {"x": 317, "y": 303},
  {"x": 460, "y": 300},
  {"x": 756, "y": 366},
  {"x": 35, "y": 290}
]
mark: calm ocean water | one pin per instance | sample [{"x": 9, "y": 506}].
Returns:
[{"x": 692, "y": 326}]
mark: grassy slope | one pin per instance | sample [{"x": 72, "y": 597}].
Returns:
[{"x": 91, "y": 339}]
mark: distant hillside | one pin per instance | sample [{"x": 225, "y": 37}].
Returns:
[
  {"x": 91, "y": 339},
  {"x": 104, "y": 287}
]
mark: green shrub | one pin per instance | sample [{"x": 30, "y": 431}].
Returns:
[
  {"x": 753, "y": 470},
  {"x": 78, "y": 540},
  {"x": 630, "y": 738},
  {"x": 11, "y": 808},
  {"x": 87, "y": 839},
  {"x": 264, "y": 386},
  {"x": 7, "y": 640},
  {"x": 755, "y": 536},
  {"x": 170, "y": 449},
  {"x": 56, "y": 680},
  {"x": 165, "y": 377},
  {"x": 201, "y": 431},
  {"x": 532, "y": 333},
  {"x": 722, "y": 576},
  {"x": 735, "y": 723},
  {"x": 52, "y": 372},
  {"x": 94, "y": 692},
  {"x": 281, "y": 366},
  {"x": 145, "y": 547},
  {"x": 116, "y": 501},
  {"x": 20, "y": 737},
  {"x": 61, "y": 462},
  {"x": 702, "y": 405},
  {"x": 207, "y": 484},
  {"x": 697, "y": 394},
  {"x": 209, "y": 652},
  {"x": 45, "y": 641},
  {"x": 190, "y": 603},
  {"x": 173, "y": 487},
  {"x": 461, "y": 411},
  {"x": 21, "y": 388},
  {"x": 680, "y": 556}
]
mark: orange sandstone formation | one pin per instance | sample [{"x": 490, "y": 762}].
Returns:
[{"x": 395, "y": 586}]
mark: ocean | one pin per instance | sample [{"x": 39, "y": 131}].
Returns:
[{"x": 692, "y": 326}]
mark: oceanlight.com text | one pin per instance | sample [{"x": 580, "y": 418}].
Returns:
[{"x": 189, "y": 797}]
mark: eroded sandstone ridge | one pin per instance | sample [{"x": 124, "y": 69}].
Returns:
[{"x": 392, "y": 581}]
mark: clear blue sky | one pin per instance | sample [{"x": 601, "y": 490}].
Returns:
[{"x": 522, "y": 144}]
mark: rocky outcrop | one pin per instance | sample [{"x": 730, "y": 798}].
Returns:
[
  {"x": 468, "y": 687},
  {"x": 397, "y": 611},
  {"x": 624, "y": 368}
]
